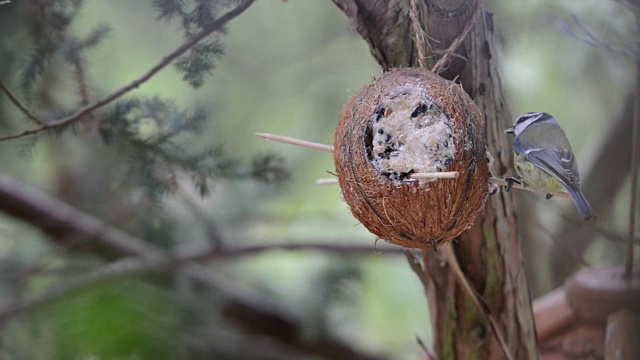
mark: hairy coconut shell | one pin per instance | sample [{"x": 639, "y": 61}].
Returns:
[{"x": 374, "y": 161}]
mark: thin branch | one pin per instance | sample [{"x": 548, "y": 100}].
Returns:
[
  {"x": 635, "y": 169},
  {"x": 18, "y": 104},
  {"x": 206, "y": 31},
  {"x": 440, "y": 64},
  {"x": 586, "y": 36},
  {"x": 297, "y": 142}
]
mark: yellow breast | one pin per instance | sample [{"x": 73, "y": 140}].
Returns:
[{"x": 534, "y": 177}]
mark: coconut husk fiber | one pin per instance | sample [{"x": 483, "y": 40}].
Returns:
[{"x": 402, "y": 211}]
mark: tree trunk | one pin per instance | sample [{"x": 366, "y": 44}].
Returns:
[{"x": 488, "y": 252}]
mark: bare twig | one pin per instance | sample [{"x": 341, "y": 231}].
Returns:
[
  {"x": 18, "y": 104},
  {"x": 586, "y": 36},
  {"x": 297, "y": 142},
  {"x": 206, "y": 31},
  {"x": 440, "y": 64}
]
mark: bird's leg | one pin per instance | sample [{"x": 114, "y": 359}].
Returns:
[
  {"x": 549, "y": 196},
  {"x": 510, "y": 181}
]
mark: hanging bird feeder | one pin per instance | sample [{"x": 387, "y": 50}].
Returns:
[{"x": 406, "y": 123}]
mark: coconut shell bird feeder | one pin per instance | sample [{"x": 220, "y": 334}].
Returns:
[{"x": 406, "y": 123}]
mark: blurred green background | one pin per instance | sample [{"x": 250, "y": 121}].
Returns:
[{"x": 288, "y": 68}]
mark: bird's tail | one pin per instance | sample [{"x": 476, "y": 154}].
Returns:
[{"x": 582, "y": 204}]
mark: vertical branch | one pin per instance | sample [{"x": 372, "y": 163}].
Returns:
[
  {"x": 635, "y": 168},
  {"x": 489, "y": 252},
  {"x": 421, "y": 39}
]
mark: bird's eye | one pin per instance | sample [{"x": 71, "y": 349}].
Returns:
[{"x": 526, "y": 117}]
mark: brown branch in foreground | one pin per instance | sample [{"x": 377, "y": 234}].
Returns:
[
  {"x": 63, "y": 222},
  {"x": 18, "y": 104},
  {"x": 206, "y": 31},
  {"x": 135, "y": 266},
  {"x": 251, "y": 312}
]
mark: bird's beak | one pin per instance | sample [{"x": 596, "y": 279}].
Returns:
[{"x": 510, "y": 130}]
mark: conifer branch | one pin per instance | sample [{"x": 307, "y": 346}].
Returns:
[
  {"x": 206, "y": 31},
  {"x": 18, "y": 104}
]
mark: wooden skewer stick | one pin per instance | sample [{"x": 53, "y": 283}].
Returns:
[
  {"x": 417, "y": 176},
  {"x": 496, "y": 181},
  {"x": 326, "y": 181},
  {"x": 298, "y": 142},
  {"x": 502, "y": 182},
  {"x": 435, "y": 175}
]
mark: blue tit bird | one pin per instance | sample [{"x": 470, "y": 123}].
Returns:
[{"x": 544, "y": 160}]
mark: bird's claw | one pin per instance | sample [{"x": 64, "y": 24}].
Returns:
[{"x": 510, "y": 181}]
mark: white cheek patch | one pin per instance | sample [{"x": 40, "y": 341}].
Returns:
[
  {"x": 523, "y": 125},
  {"x": 410, "y": 134}
]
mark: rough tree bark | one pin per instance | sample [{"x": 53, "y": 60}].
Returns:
[{"x": 489, "y": 252}]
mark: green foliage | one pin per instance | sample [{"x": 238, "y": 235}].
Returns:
[
  {"x": 124, "y": 320},
  {"x": 52, "y": 37},
  {"x": 152, "y": 133},
  {"x": 194, "y": 15},
  {"x": 201, "y": 60}
]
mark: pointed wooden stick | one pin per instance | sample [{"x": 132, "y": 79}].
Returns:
[
  {"x": 327, "y": 181},
  {"x": 435, "y": 175},
  {"x": 418, "y": 176},
  {"x": 298, "y": 142},
  {"x": 496, "y": 181}
]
